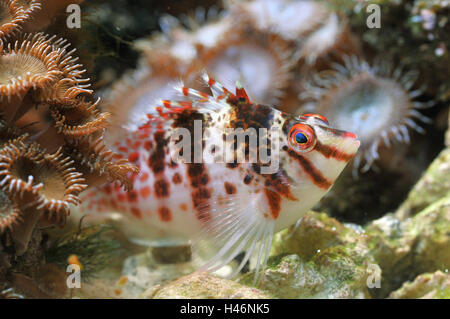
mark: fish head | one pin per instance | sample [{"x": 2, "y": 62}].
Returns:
[
  {"x": 317, "y": 149},
  {"x": 312, "y": 156}
]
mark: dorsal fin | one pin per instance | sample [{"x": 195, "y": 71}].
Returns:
[
  {"x": 241, "y": 94},
  {"x": 195, "y": 100},
  {"x": 218, "y": 90}
]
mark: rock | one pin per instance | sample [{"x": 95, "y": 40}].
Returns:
[
  {"x": 427, "y": 286},
  {"x": 447, "y": 134},
  {"x": 204, "y": 286},
  {"x": 434, "y": 185},
  {"x": 320, "y": 258},
  {"x": 315, "y": 232},
  {"x": 331, "y": 274},
  {"x": 405, "y": 249}
]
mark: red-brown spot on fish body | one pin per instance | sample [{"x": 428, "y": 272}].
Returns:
[
  {"x": 132, "y": 196},
  {"x": 143, "y": 178},
  {"x": 230, "y": 188},
  {"x": 156, "y": 161},
  {"x": 274, "y": 201},
  {"x": 145, "y": 191},
  {"x": 251, "y": 115},
  {"x": 200, "y": 194},
  {"x": 176, "y": 178},
  {"x": 148, "y": 145},
  {"x": 162, "y": 188},
  {"x": 232, "y": 165},
  {"x": 279, "y": 183},
  {"x": 133, "y": 157},
  {"x": 166, "y": 103},
  {"x": 165, "y": 214},
  {"x": 136, "y": 212},
  {"x": 248, "y": 179},
  {"x": 113, "y": 204},
  {"x": 107, "y": 188}
]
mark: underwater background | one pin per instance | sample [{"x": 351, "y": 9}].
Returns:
[{"x": 383, "y": 231}]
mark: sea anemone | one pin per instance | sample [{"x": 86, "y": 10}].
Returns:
[
  {"x": 291, "y": 20},
  {"x": 29, "y": 64},
  {"x": 13, "y": 157},
  {"x": 98, "y": 163},
  {"x": 376, "y": 102},
  {"x": 50, "y": 180},
  {"x": 13, "y": 16},
  {"x": 260, "y": 61},
  {"x": 46, "y": 108},
  {"x": 80, "y": 120},
  {"x": 128, "y": 99},
  {"x": 328, "y": 43},
  {"x": 28, "y": 6},
  {"x": 9, "y": 212}
]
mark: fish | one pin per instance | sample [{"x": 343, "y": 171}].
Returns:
[{"x": 232, "y": 191}]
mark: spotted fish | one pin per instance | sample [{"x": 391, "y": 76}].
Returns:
[{"x": 238, "y": 201}]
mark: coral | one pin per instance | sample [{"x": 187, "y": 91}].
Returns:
[{"x": 47, "y": 111}]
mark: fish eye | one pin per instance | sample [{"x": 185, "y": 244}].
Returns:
[
  {"x": 302, "y": 138},
  {"x": 317, "y": 117}
]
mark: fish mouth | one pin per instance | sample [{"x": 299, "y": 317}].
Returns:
[
  {"x": 348, "y": 141},
  {"x": 351, "y": 143}
]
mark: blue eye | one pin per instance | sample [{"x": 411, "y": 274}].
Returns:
[{"x": 301, "y": 138}]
